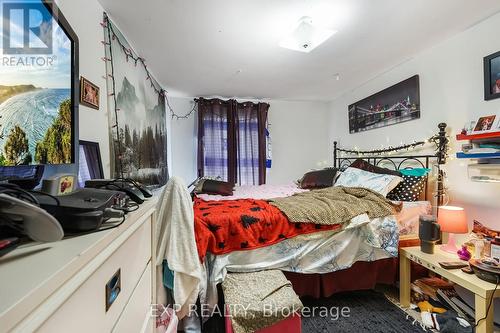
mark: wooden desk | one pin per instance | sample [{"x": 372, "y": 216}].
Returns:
[{"x": 482, "y": 290}]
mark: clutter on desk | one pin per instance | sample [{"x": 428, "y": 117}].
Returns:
[
  {"x": 437, "y": 300},
  {"x": 484, "y": 242},
  {"x": 440, "y": 306}
]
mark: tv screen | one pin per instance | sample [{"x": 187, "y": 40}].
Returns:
[{"x": 37, "y": 85}]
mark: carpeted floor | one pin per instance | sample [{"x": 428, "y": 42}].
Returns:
[{"x": 370, "y": 311}]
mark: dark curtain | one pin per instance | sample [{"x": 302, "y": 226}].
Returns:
[
  {"x": 263, "y": 109},
  {"x": 232, "y": 140},
  {"x": 216, "y": 143},
  {"x": 251, "y": 143}
]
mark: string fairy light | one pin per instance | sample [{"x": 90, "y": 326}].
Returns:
[
  {"x": 440, "y": 140},
  {"x": 110, "y": 36},
  {"x": 131, "y": 56},
  {"x": 436, "y": 139},
  {"x": 357, "y": 151},
  {"x": 113, "y": 87}
]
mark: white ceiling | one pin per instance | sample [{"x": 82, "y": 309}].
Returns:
[{"x": 230, "y": 47}]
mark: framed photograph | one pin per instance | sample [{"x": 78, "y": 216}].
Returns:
[
  {"x": 492, "y": 76},
  {"x": 393, "y": 105},
  {"x": 89, "y": 93},
  {"x": 470, "y": 126},
  {"x": 485, "y": 124}
]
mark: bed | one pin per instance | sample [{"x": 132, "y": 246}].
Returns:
[{"x": 322, "y": 262}]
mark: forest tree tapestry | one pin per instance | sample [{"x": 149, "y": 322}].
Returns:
[{"x": 137, "y": 114}]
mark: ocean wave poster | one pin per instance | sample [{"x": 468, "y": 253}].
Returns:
[
  {"x": 138, "y": 127},
  {"x": 35, "y": 89}
]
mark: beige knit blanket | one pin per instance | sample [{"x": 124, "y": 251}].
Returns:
[
  {"x": 335, "y": 205},
  {"x": 258, "y": 300}
]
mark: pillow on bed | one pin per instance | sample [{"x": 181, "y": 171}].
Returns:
[
  {"x": 318, "y": 179},
  {"x": 364, "y": 165},
  {"x": 409, "y": 189},
  {"x": 418, "y": 172},
  {"x": 210, "y": 186},
  {"x": 381, "y": 183}
]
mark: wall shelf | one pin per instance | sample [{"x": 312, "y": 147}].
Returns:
[
  {"x": 478, "y": 155},
  {"x": 480, "y": 136},
  {"x": 487, "y": 167},
  {"x": 484, "y": 173}
]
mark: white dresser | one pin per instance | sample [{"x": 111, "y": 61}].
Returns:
[{"x": 62, "y": 286}]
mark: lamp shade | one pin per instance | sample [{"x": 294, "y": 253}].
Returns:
[{"x": 452, "y": 219}]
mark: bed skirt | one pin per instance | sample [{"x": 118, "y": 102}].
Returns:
[{"x": 362, "y": 275}]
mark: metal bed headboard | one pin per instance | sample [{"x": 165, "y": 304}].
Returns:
[{"x": 399, "y": 161}]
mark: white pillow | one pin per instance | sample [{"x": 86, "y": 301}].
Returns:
[{"x": 353, "y": 177}]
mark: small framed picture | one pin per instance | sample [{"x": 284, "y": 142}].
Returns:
[
  {"x": 469, "y": 126},
  {"x": 492, "y": 76},
  {"x": 89, "y": 93},
  {"x": 485, "y": 124}
]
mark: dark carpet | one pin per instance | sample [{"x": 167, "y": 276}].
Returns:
[{"x": 369, "y": 311}]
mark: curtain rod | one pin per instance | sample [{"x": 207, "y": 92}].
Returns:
[{"x": 197, "y": 99}]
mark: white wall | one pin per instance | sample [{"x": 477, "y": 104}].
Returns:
[
  {"x": 183, "y": 141},
  {"x": 451, "y": 88},
  {"x": 298, "y": 133},
  {"x": 85, "y": 17}
]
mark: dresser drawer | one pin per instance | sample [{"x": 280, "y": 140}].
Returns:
[
  {"x": 138, "y": 308},
  {"x": 85, "y": 311}
]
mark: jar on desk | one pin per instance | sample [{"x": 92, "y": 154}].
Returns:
[{"x": 495, "y": 249}]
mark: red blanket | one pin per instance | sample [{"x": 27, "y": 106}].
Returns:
[{"x": 225, "y": 226}]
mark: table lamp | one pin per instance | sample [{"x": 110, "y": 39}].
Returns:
[{"x": 453, "y": 221}]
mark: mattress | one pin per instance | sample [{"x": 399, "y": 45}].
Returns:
[
  {"x": 232, "y": 225},
  {"x": 326, "y": 251},
  {"x": 321, "y": 252},
  {"x": 407, "y": 219}
]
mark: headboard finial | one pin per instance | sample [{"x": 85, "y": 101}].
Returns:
[
  {"x": 442, "y": 144},
  {"x": 441, "y": 157},
  {"x": 334, "y": 154}
]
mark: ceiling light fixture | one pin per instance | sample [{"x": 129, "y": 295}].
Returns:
[{"x": 306, "y": 36}]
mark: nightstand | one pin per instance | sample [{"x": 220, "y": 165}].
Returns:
[{"x": 482, "y": 290}]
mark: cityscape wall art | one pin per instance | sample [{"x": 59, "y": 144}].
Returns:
[{"x": 394, "y": 105}]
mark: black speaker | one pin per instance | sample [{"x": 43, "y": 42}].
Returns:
[{"x": 429, "y": 233}]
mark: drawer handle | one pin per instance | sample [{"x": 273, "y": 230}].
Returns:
[{"x": 113, "y": 288}]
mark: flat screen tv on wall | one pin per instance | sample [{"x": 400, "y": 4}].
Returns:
[{"x": 38, "y": 85}]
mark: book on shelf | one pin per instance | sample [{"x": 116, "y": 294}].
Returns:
[
  {"x": 424, "y": 289},
  {"x": 445, "y": 298},
  {"x": 463, "y": 306},
  {"x": 437, "y": 282}
]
